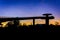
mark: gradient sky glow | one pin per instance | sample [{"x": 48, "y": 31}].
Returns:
[{"x": 25, "y": 8}]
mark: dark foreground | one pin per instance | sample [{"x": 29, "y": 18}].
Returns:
[{"x": 36, "y": 28}]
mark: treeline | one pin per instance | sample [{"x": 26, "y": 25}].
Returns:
[{"x": 31, "y": 28}]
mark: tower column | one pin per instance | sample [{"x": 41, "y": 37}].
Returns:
[{"x": 33, "y": 22}]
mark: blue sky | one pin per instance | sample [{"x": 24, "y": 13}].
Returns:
[{"x": 23, "y": 8}]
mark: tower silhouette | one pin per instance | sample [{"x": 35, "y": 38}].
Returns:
[{"x": 47, "y": 17}]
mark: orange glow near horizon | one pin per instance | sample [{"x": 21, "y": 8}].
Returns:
[
  {"x": 30, "y": 22},
  {"x": 38, "y": 21}
]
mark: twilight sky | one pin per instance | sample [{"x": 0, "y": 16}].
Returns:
[{"x": 23, "y": 8}]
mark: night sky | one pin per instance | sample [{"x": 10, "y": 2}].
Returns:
[{"x": 25, "y": 8}]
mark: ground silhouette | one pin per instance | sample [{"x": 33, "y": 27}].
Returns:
[{"x": 31, "y": 28}]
